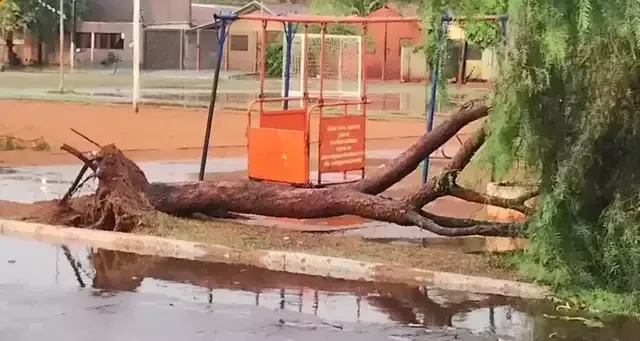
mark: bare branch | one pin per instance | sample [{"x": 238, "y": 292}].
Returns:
[
  {"x": 75, "y": 185},
  {"x": 439, "y": 186},
  {"x": 408, "y": 161},
  {"x": 73, "y": 151},
  {"x": 485, "y": 199},
  {"x": 484, "y": 229},
  {"x": 86, "y": 138}
]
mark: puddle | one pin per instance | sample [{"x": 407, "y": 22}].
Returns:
[
  {"x": 399, "y": 103},
  {"x": 87, "y": 292}
]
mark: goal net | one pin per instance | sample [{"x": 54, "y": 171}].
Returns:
[{"x": 342, "y": 65}]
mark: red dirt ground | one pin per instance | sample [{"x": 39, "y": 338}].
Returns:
[
  {"x": 155, "y": 133},
  {"x": 169, "y": 133}
]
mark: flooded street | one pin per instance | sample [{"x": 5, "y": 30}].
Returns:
[
  {"x": 92, "y": 294},
  {"x": 107, "y": 295}
]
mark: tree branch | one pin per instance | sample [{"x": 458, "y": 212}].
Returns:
[
  {"x": 73, "y": 151},
  {"x": 481, "y": 228},
  {"x": 439, "y": 186},
  {"x": 485, "y": 199},
  {"x": 408, "y": 161}
]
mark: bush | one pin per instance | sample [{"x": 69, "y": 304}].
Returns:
[{"x": 274, "y": 59}]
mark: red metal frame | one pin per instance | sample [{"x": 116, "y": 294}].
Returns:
[{"x": 282, "y": 137}]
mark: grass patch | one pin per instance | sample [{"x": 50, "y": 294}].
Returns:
[
  {"x": 8, "y": 142},
  {"x": 249, "y": 237}
]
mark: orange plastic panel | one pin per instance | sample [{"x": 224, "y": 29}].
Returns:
[
  {"x": 342, "y": 144},
  {"x": 284, "y": 119},
  {"x": 278, "y": 155}
]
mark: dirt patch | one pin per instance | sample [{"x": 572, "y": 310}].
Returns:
[
  {"x": 155, "y": 133},
  {"x": 244, "y": 237}
]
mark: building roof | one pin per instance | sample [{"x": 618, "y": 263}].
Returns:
[
  {"x": 405, "y": 10},
  {"x": 202, "y": 15}
]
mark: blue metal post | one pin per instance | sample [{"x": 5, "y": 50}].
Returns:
[
  {"x": 290, "y": 33},
  {"x": 222, "y": 36},
  {"x": 432, "y": 100}
]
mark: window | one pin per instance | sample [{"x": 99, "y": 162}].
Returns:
[
  {"x": 109, "y": 41},
  {"x": 83, "y": 40},
  {"x": 239, "y": 42}
]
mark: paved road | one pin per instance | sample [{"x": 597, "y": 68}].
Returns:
[{"x": 120, "y": 297}]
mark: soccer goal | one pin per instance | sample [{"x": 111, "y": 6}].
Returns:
[{"x": 342, "y": 65}]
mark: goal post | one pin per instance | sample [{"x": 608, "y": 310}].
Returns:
[{"x": 342, "y": 65}]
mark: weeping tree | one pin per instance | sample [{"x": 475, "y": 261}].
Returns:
[{"x": 563, "y": 109}]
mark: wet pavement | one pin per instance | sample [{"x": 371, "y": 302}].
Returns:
[
  {"x": 93, "y": 294},
  {"x": 104, "y": 295}
]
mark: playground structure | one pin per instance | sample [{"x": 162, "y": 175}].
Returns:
[
  {"x": 279, "y": 141},
  {"x": 342, "y": 67}
]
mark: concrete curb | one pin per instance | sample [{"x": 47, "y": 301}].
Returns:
[{"x": 292, "y": 262}]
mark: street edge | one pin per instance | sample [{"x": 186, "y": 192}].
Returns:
[{"x": 291, "y": 262}]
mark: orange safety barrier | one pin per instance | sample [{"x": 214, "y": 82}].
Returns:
[
  {"x": 278, "y": 148},
  {"x": 278, "y": 145},
  {"x": 278, "y": 155},
  {"x": 291, "y": 119},
  {"x": 341, "y": 140}
]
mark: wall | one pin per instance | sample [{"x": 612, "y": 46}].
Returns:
[
  {"x": 208, "y": 50},
  {"x": 383, "y": 53},
  {"x": 480, "y": 65},
  {"x": 154, "y": 12},
  {"x": 248, "y": 60},
  {"x": 83, "y": 54},
  {"x": 414, "y": 67}
]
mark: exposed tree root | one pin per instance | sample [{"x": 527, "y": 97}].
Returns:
[{"x": 125, "y": 198}]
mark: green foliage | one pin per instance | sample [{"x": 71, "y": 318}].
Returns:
[
  {"x": 565, "y": 105},
  {"x": 484, "y": 34},
  {"x": 564, "y": 108},
  {"x": 275, "y": 58},
  {"x": 11, "y": 17},
  {"x": 338, "y": 29},
  {"x": 347, "y": 7},
  {"x": 37, "y": 18}
]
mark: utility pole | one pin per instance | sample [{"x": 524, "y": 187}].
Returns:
[
  {"x": 136, "y": 54},
  {"x": 61, "y": 47},
  {"x": 72, "y": 37}
]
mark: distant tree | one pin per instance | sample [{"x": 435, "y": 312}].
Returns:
[
  {"x": 12, "y": 18},
  {"x": 37, "y": 17},
  {"x": 348, "y": 7}
]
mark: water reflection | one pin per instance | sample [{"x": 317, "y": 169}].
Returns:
[
  {"x": 139, "y": 291},
  {"x": 507, "y": 317}
]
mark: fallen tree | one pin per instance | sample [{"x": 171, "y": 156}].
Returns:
[{"x": 124, "y": 196}]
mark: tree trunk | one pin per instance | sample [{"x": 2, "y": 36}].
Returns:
[
  {"x": 40, "y": 52},
  {"x": 12, "y": 57},
  {"x": 124, "y": 195}
]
